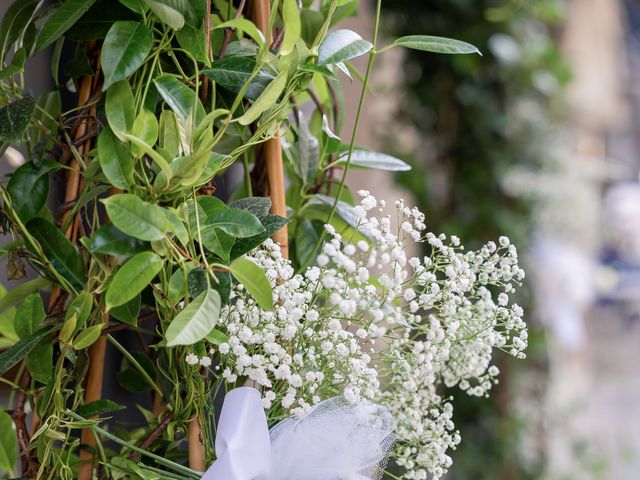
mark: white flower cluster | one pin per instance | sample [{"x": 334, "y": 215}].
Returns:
[{"x": 368, "y": 322}]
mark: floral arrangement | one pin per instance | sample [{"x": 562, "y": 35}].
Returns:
[{"x": 171, "y": 96}]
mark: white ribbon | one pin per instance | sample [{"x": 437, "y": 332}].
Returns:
[{"x": 333, "y": 441}]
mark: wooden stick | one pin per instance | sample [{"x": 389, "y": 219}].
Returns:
[
  {"x": 196, "y": 445},
  {"x": 273, "y": 148}
]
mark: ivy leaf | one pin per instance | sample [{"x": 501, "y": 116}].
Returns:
[
  {"x": 114, "y": 156},
  {"x": 293, "y": 28},
  {"x": 195, "y": 321},
  {"x": 98, "y": 408},
  {"x": 132, "y": 277},
  {"x": 254, "y": 280},
  {"x": 267, "y": 99},
  {"x": 62, "y": 255},
  {"x": 29, "y": 188},
  {"x": 13, "y": 355},
  {"x": 233, "y": 72},
  {"x": 87, "y": 337},
  {"x": 120, "y": 108},
  {"x": 29, "y": 316},
  {"x": 236, "y": 222},
  {"x": 60, "y": 21},
  {"x": 125, "y": 48},
  {"x": 379, "y": 161},
  {"x": 340, "y": 46},
  {"x": 428, "y": 43},
  {"x": 8, "y": 443},
  {"x": 108, "y": 240},
  {"x": 14, "y": 119},
  {"x": 135, "y": 217}
]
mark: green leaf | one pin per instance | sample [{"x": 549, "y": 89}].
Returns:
[
  {"x": 137, "y": 6},
  {"x": 308, "y": 234},
  {"x": 124, "y": 50},
  {"x": 14, "y": 21},
  {"x": 236, "y": 222},
  {"x": 193, "y": 40},
  {"x": 16, "y": 65},
  {"x": 340, "y": 46},
  {"x": 132, "y": 278},
  {"x": 180, "y": 98},
  {"x": 217, "y": 242},
  {"x": 120, "y": 108},
  {"x": 50, "y": 102},
  {"x": 195, "y": 321},
  {"x": 114, "y": 156},
  {"x": 98, "y": 408},
  {"x": 29, "y": 316},
  {"x": 81, "y": 307},
  {"x": 258, "y": 206},
  {"x": 245, "y": 26},
  {"x": 345, "y": 220},
  {"x": 127, "y": 312},
  {"x": 145, "y": 128},
  {"x": 169, "y": 133},
  {"x": 266, "y": 100},
  {"x": 17, "y": 294},
  {"x": 292, "y": 26},
  {"x": 216, "y": 337},
  {"x": 95, "y": 24},
  {"x": 8, "y": 444},
  {"x": 137, "y": 218},
  {"x": 379, "y": 161},
  {"x": 254, "y": 280},
  {"x": 108, "y": 240},
  {"x": 308, "y": 151},
  {"x": 60, "y": 21},
  {"x": 173, "y": 13},
  {"x": 157, "y": 157},
  {"x": 10, "y": 357},
  {"x": 14, "y": 119},
  {"x": 233, "y": 72},
  {"x": 29, "y": 189},
  {"x": 176, "y": 225},
  {"x": 87, "y": 337},
  {"x": 197, "y": 281},
  {"x": 428, "y": 43},
  {"x": 62, "y": 255},
  {"x": 131, "y": 379},
  {"x": 40, "y": 362},
  {"x": 271, "y": 224}
]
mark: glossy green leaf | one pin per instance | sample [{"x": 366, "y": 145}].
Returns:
[
  {"x": 87, "y": 337},
  {"x": 236, "y": 222},
  {"x": 130, "y": 279},
  {"x": 311, "y": 22},
  {"x": 217, "y": 242},
  {"x": 95, "y": 24},
  {"x": 14, "y": 21},
  {"x": 137, "y": 6},
  {"x": 14, "y": 354},
  {"x": 308, "y": 234},
  {"x": 60, "y": 20},
  {"x": 233, "y": 72},
  {"x": 180, "y": 98},
  {"x": 216, "y": 337},
  {"x": 266, "y": 100},
  {"x": 345, "y": 220},
  {"x": 8, "y": 444},
  {"x": 197, "y": 281},
  {"x": 40, "y": 362},
  {"x": 120, "y": 108},
  {"x": 379, "y": 161},
  {"x": 108, "y": 240},
  {"x": 156, "y": 156},
  {"x": 59, "y": 251},
  {"x": 29, "y": 189},
  {"x": 135, "y": 217},
  {"x": 81, "y": 307},
  {"x": 14, "y": 119},
  {"x": 292, "y": 26},
  {"x": 254, "y": 280},
  {"x": 29, "y": 316},
  {"x": 8, "y": 335},
  {"x": 245, "y": 26},
  {"x": 173, "y": 13},
  {"x": 127, "y": 312},
  {"x": 195, "y": 321},
  {"x": 145, "y": 127},
  {"x": 22, "y": 291},
  {"x": 98, "y": 408},
  {"x": 258, "y": 206},
  {"x": 169, "y": 134},
  {"x": 271, "y": 224},
  {"x": 193, "y": 40},
  {"x": 115, "y": 159},
  {"x": 176, "y": 225},
  {"x": 124, "y": 50},
  {"x": 340, "y": 46},
  {"x": 428, "y": 43}
]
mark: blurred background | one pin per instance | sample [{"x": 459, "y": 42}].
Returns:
[{"x": 538, "y": 139}]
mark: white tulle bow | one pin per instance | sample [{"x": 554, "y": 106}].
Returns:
[{"x": 333, "y": 441}]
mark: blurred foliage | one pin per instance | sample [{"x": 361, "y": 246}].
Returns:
[{"x": 473, "y": 119}]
